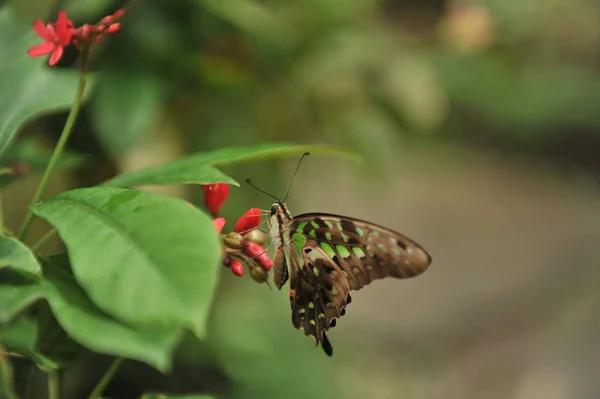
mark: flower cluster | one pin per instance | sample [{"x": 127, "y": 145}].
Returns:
[
  {"x": 243, "y": 246},
  {"x": 61, "y": 34}
]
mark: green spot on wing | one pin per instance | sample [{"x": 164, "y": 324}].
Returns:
[
  {"x": 358, "y": 252},
  {"x": 360, "y": 231},
  {"x": 328, "y": 249},
  {"x": 299, "y": 241},
  {"x": 300, "y": 228},
  {"x": 313, "y": 233},
  {"x": 343, "y": 251},
  {"x": 314, "y": 224}
]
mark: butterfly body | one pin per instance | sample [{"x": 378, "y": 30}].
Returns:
[{"x": 326, "y": 256}]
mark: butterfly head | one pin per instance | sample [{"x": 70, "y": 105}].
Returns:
[{"x": 279, "y": 213}]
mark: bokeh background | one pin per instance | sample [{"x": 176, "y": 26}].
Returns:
[{"x": 479, "y": 122}]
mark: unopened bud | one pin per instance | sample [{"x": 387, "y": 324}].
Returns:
[
  {"x": 237, "y": 268},
  {"x": 257, "y": 252},
  {"x": 233, "y": 240}
]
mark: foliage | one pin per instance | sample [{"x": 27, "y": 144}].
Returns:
[{"x": 238, "y": 84}]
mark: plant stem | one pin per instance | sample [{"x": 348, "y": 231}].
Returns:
[
  {"x": 58, "y": 150},
  {"x": 36, "y": 247},
  {"x": 54, "y": 384},
  {"x": 1, "y": 218},
  {"x": 110, "y": 373}
]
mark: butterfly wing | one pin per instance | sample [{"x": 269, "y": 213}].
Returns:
[
  {"x": 363, "y": 251},
  {"x": 318, "y": 293},
  {"x": 329, "y": 255}
]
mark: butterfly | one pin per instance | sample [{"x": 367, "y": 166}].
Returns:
[{"x": 326, "y": 256}]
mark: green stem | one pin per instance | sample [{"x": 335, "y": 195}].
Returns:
[
  {"x": 1, "y": 218},
  {"x": 36, "y": 247},
  {"x": 54, "y": 384},
  {"x": 58, "y": 150},
  {"x": 110, "y": 373}
]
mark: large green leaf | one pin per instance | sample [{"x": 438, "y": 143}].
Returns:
[
  {"x": 15, "y": 254},
  {"x": 18, "y": 290},
  {"x": 199, "y": 168},
  {"x": 144, "y": 258},
  {"x": 15, "y": 298},
  {"x": 94, "y": 329},
  {"x": 29, "y": 86},
  {"x": 19, "y": 334}
]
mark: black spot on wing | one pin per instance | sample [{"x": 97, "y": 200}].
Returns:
[
  {"x": 328, "y": 268},
  {"x": 353, "y": 241},
  {"x": 401, "y": 244},
  {"x": 348, "y": 226},
  {"x": 320, "y": 235},
  {"x": 320, "y": 223}
]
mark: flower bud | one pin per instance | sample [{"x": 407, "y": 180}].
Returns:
[
  {"x": 248, "y": 221},
  {"x": 258, "y": 253},
  {"x": 237, "y": 268},
  {"x": 259, "y": 274},
  {"x": 233, "y": 240},
  {"x": 215, "y": 196},
  {"x": 218, "y": 223},
  {"x": 113, "y": 28},
  {"x": 257, "y": 236}
]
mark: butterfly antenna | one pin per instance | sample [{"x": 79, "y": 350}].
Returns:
[
  {"x": 262, "y": 191},
  {"x": 294, "y": 175}
]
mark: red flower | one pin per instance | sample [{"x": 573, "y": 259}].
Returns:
[
  {"x": 215, "y": 196},
  {"x": 248, "y": 221},
  {"x": 56, "y": 38},
  {"x": 218, "y": 223}
]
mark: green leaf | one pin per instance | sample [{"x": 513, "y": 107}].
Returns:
[
  {"x": 25, "y": 154},
  {"x": 52, "y": 340},
  {"x": 29, "y": 86},
  {"x": 199, "y": 168},
  {"x": 142, "y": 257},
  {"x": 92, "y": 328},
  {"x": 7, "y": 390},
  {"x": 125, "y": 108},
  {"x": 17, "y": 291},
  {"x": 15, "y": 254},
  {"x": 165, "y": 396},
  {"x": 19, "y": 334},
  {"x": 13, "y": 299}
]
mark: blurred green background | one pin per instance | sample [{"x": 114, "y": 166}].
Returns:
[{"x": 480, "y": 125}]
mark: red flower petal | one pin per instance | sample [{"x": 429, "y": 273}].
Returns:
[
  {"x": 41, "y": 49},
  {"x": 248, "y": 221},
  {"x": 56, "y": 55},
  {"x": 40, "y": 29},
  {"x": 219, "y": 223},
  {"x": 215, "y": 196},
  {"x": 51, "y": 32},
  {"x": 63, "y": 32}
]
